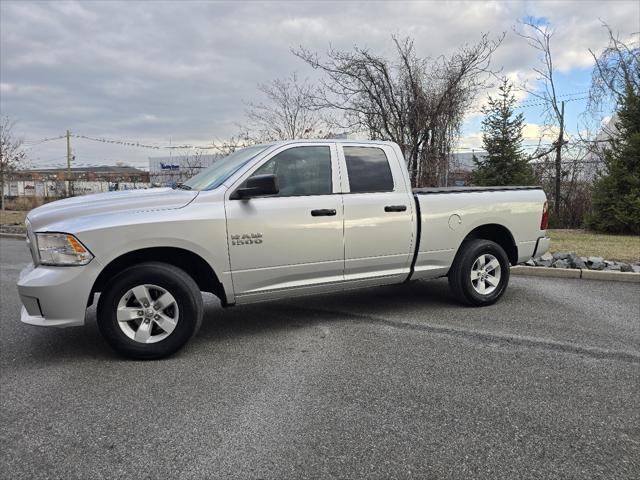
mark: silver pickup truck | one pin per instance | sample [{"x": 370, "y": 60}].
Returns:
[{"x": 266, "y": 222}]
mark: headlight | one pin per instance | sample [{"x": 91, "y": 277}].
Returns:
[{"x": 61, "y": 249}]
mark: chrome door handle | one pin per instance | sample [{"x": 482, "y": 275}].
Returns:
[
  {"x": 323, "y": 212},
  {"x": 395, "y": 208}
]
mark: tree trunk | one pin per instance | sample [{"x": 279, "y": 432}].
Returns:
[{"x": 558, "y": 179}]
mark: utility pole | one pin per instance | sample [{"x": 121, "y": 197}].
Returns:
[
  {"x": 68, "y": 163},
  {"x": 559, "y": 164}
]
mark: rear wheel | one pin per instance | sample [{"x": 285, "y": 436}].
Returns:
[
  {"x": 480, "y": 273},
  {"x": 150, "y": 310}
]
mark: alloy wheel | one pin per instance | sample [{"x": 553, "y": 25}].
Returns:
[
  {"x": 485, "y": 274},
  {"x": 147, "y": 313}
]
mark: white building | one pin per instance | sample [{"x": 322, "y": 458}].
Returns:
[{"x": 178, "y": 168}]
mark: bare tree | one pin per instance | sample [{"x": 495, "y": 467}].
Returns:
[
  {"x": 236, "y": 142},
  {"x": 416, "y": 102},
  {"x": 616, "y": 70},
  {"x": 12, "y": 156},
  {"x": 539, "y": 37},
  {"x": 191, "y": 164},
  {"x": 567, "y": 173},
  {"x": 288, "y": 112}
]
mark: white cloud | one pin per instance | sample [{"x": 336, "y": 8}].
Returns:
[{"x": 533, "y": 132}]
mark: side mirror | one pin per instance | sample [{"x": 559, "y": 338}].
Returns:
[{"x": 257, "y": 186}]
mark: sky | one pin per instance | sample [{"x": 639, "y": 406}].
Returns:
[{"x": 173, "y": 73}]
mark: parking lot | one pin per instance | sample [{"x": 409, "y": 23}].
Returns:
[{"x": 392, "y": 382}]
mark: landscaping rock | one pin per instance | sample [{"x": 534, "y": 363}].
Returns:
[
  {"x": 573, "y": 261},
  {"x": 547, "y": 257},
  {"x": 578, "y": 263}
]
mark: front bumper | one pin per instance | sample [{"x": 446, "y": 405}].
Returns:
[{"x": 56, "y": 296}]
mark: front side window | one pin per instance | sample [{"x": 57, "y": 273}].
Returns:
[
  {"x": 368, "y": 170},
  {"x": 301, "y": 171}
]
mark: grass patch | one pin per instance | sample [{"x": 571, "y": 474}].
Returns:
[
  {"x": 12, "y": 217},
  {"x": 623, "y": 248}
]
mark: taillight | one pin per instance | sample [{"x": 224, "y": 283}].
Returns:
[{"x": 544, "y": 223}]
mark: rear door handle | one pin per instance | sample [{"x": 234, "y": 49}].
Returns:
[
  {"x": 395, "y": 208},
  {"x": 323, "y": 212}
]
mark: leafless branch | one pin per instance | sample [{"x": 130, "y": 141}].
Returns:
[
  {"x": 288, "y": 112},
  {"x": 416, "y": 102}
]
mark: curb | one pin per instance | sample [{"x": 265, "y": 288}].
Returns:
[
  {"x": 610, "y": 276},
  {"x": 20, "y": 236}
]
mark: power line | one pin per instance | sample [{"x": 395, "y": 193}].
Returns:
[
  {"x": 542, "y": 103},
  {"x": 562, "y": 95},
  {"x": 146, "y": 145},
  {"x": 33, "y": 143},
  {"x": 126, "y": 143},
  {"x": 538, "y": 102}
]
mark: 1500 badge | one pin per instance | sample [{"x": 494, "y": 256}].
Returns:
[{"x": 246, "y": 239}]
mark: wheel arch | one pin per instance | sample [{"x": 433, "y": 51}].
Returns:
[
  {"x": 496, "y": 233},
  {"x": 192, "y": 263}
]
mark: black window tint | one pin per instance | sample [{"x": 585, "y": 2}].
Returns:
[
  {"x": 368, "y": 170},
  {"x": 301, "y": 171}
]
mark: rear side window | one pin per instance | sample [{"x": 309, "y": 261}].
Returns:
[
  {"x": 368, "y": 169},
  {"x": 301, "y": 171}
]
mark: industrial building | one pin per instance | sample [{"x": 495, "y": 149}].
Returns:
[
  {"x": 60, "y": 182},
  {"x": 165, "y": 171}
]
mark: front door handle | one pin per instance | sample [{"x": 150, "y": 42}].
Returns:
[
  {"x": 323, "y": 212},
  {"x": 395, "y": 208}
]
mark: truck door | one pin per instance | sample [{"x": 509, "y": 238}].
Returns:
[
  {"x": 379, "y": 219},
  {"x": 295, "y": 238}
]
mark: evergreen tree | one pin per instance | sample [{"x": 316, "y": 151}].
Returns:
[
  {"x": 505, "y": 162},
  {"x": 616, "y": 195}
]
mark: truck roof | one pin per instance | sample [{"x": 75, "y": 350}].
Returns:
[{"x": 331, "y": 140}]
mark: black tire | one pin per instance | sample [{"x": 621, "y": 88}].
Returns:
[
  {"x": 460, "y": 272},
  {"x": 188, "y": 301}
]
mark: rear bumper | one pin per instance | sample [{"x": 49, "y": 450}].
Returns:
[
  {"x": 542, "y": 246},
  {"x": 56, "y": 296}
]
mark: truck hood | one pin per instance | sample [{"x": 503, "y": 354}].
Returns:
[{"x": 111, "y": 202}]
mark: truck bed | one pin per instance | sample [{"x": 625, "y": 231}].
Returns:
[{"x": 447, "y": 220}]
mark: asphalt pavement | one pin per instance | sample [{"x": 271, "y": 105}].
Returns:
[{"x": 391, "y": 382}]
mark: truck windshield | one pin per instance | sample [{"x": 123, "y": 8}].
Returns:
[{"x": 215, "y": 175}]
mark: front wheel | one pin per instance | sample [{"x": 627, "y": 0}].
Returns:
[
  {"x": 150, "y": 310},
  {"x": 480, "y": 273}
]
